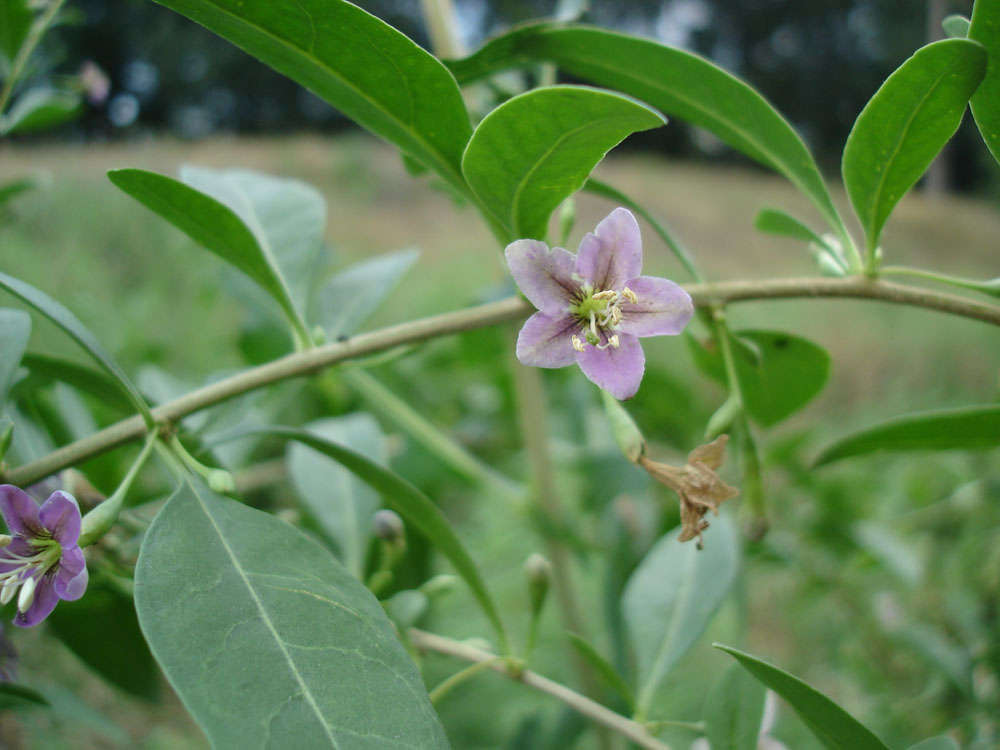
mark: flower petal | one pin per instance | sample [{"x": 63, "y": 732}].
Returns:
[
  {"x": 547, "y": 341},
  {"x": 613, "y": 253},
  {"x": 618, "y": 371},
  {"x": 19, "y": 511},
  {"x": 71, "y": 578},
  {"x": 61, "y": 516},
  {"x": 41, "y": 606},
  {"x": 663, "y": 309},
  {"x": 544, "y": 276}
]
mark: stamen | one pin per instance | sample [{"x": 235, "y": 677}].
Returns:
[
  {"x": 606, "y": 294},
  {"x": 9, "y": 587},
  {"x": 593, "y": 323},
  {"x": 27, "y": 594},
  {"x": 630, "y": 295},
  {"x": 614, "y": 341},
  {"x": 577, "y": 344},
  {"x": 5, "y": 539}
]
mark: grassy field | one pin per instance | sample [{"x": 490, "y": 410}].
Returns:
[{"x": 152, "y": 296}]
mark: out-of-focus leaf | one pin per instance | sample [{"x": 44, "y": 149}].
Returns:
[
  {"x": 15, "y": 696},
  {"x": 670, "y": 599},
  {"x": 985, "y": 29},
  {"x": 287, "y": 217},
  {"x": 365, "y": 68},
  {"x": 15, "y": 330},
  {"x": 58, "y": 314},
  {"x": 904, "y": 126},
  {"x": 602, "y": 667},
  {"x": 936, "y": 743},
  {"x": 214, "y": 226},
  {"x": 15, "y": 21},
  {"x": 734, "y": 710},
  {"x": 406, "y": 607},
  {"x": 955, "y": 26},
  {"x": 773, "y": 221},
  {"x": 40, "y": 108},
  {"x": 943, "y": 655},
  {"x": 831, "y": 724},
  {"x": 349, "y": 298},
  {"x": 14, "y": 188},
  {"x": 405, "y": 499},
  {"x": 102, "y": 629},
  {"x": 779, "y": 373},
  {"x": 676, "y": 82},
  {"x": 536, "y": 149},
  {"x": 971, "y": 428},
  {"x": 881, "y": 542},
  {"x": 342, "y": 504},
  {"x": 46, "y": 368},
  {"x": 267, "y": 639}
]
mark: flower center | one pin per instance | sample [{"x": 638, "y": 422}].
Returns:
[
  {"x": 600, "y": 312},
  {"x": 27, "y": 570}
]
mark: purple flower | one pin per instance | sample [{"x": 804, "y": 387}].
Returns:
[
  {"x": 43, "y": 558},
  {"x": 593, "y": 307}
]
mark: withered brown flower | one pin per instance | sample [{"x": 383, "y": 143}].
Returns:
[{"x": 697, "y": 485}]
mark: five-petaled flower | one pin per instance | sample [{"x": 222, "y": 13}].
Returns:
[
  {"x": 593, "y": 307},
  {"x": 42, "y": 557}
]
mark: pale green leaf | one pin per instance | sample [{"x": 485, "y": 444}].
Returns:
[
  {"x": 831, "y": 724},
  {"x": 985, "y": 29},
  {"x": 602, "y": 667},
  {"x": 904, "y": 126},
  {"x": 342, "y": 504},
  {"x": 671, "y": 597},
  {"x": 365, "y": 68},
  {"x": 536, "y": 149},
  {"x": 40, "y": 108},
  {"x": 773, "y": 221},
  {"x": 971, "y": 428},
  {"x": 955, "y": 26},
  {"x": 936, "y": 743},
  {"x": 15, "y": 330},
  {"x": 267, "y": 640},
  {"x": 734, "y": 710}
]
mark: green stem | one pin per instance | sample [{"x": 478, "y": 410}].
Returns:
[
  {"x": 312, "y": 361},
  {"x": 218, "y": 480},
  {"x": 991, "y": 287},
  {"x": 38, "y": 29},
  {"x": 449, "y": 684},
  {"x": 101, "y": 519},
  {"x": 697, "y": 726},
  {"x": 387, "y": 404}
]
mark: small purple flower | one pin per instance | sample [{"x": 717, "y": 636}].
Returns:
[
  {"x": 43, "y": 558},
  {"x": 593, "y": 307}
]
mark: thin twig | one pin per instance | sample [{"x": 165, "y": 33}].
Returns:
[
  {"x": 583, "y": 705},
  {"x": 512, "y": 308}
]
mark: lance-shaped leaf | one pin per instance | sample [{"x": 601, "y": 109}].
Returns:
[
  {"x": 676, "y": 82},
  {"x": 371, "y": 72},
  {"x": 831, "y": 724},
  {"x": 734, "y": 711},
  {"x": 267, "y": 640},
  {"x": 70, "y": 324},
  {"x": 342, "y": 504},
  {"x": 536, "y": 149},
  {"x": 602, "y": 667},
  {"x": 936, "y": 743},
  {"x": 40, "y": 108},
  {"x": 15, "y": 329},
  {"x": 985, "y": 29},
  {"x": 904, "y": 126},
  {"x": 773, "y": 221},
  {"x": 214, "y": 226},
  {"x": 670, "y": 599},
  {"x": 405, "y": 499},
  {"x": 971, "y": 428},
  {"x": 15, "y": 21}
]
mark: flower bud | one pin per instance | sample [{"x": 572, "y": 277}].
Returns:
[
  {"x": 623, "y": 428},
  {"x": 538, "y": 571},
  {"x": 220, "y": 480},
  {"x": 389, "y": 527}
]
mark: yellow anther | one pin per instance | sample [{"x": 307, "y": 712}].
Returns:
[
  {"x": 616, "y": 315},
  {"x": 577, "y": 344},
  {"x": 630, "y": 295},
  {"x": 615, "y": 343},
  {"x": 606, "y": 294}
]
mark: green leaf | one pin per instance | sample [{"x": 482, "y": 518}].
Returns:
[
  {"x": 970, "y": 428},
  {"x": 365, "y": 68},
  {"x": 349, "y": 298},
  {"x": 287, "y": 218},
  {"x": 15, "y": 330},
  {"x": 412, "y": 504},
  {"x": 904, "y": 126},
  {"x": 15, "y": 21},
  {"x": 46, "y": 368},
  {"x": 40, "y": 108},
  {"x": 342, "y": 504},
  {"x": 14, "y": 696},
  {"x": 936, "y": 743},
  {"x": 214, "y": 226},
  {"x": 69, "y": 323},
  {"x": 536, "y": 149},
  {"x": 670, "y": 599},
  {"x": 985, "y": 29},
  {"x": 833, "y": 726},
  {"x": 673, "y": 81},
  {"x": 13, "y": 188},
  {"x": 778, "y": 373},
  {"x": 955, "y": 26},
  {"x": 734, "y": 711},
  {"x": 602, "y": 667},
  {"x": 267, "y": 640},
  {"x": 103, "y": 630},
  {"x": 773, "y": 221}
]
